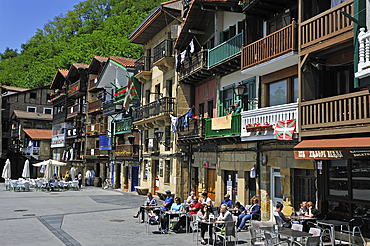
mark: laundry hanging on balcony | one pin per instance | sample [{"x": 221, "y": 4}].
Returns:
[
  {"x": 221, "y": 123},
  {"x": 179, "y": 59},
  {"x": 183, "y": 121},
  {"x": 284, "y": 130},
  {"x": 174, "y": 121}
]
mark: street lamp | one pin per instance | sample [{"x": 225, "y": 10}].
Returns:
[
  {"x": 239, "y": 89},
  {"x": 158, "y": 134},
  {"x": 131, "y": 139}
]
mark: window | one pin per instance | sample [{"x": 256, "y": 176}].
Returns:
[
  {"x": 210, "y": 109},
  {"x": 167, "y": 171},
  {"x": 227, "y": 98},
  {"x": 33, "y": 95},
  {"x": 283, "y": 91},
  {"x": 48, "y": 111},
  {"x": 157, "y": 90},
  {"x": 249, "y": 100},
  {"x": 147, "y": 96},
  {"x": 169, "y": 88},
  {"x": 31, "y": 109},
  {"x": 145, "y": 169},
  {"x": 201, "y": 110},
  {"x": 146, "y": 140},
  {"x": 167, "y": 135},
  {"x": 304, "y": 186}
]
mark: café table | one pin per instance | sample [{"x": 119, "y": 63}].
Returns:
[
  {"x": 209, "y": 223},
  {"x": 176, "y": 214},
  {"x": 302, "y": 218},
  {"x": 286, "y": 232},
  {"x": 147, "y": 209},
  {"x": 332, "y": 224}
]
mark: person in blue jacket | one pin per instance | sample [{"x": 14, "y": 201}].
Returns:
[
  {"x": 168, "y": 202},
  {"x": 227, "y": 201},
  {"x": 247, "y": 214}
]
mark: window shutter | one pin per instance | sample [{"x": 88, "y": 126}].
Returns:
[
  {"x": 232, "y": 31},
  {"x": 221, "y": 104},
  {"x": 221, "y": 37}
]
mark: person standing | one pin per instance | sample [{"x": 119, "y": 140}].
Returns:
[{"x": 79, "y": 180}]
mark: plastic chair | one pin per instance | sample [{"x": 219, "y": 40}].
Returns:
[
  {"x": 256, "y": 233},
  {"x": 13, "y": 185},
  {"x": 356, "y": 224},
  {"x": 311, "y": 241},
  {"x": 24, "y": 185},
  {"x": 229, "y": 232},
  {"x": 316, "y": 232},
  {"x": 39, "y": 185},
  {"x": 74, "y": 185}
]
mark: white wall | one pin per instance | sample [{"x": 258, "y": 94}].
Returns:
[
  {"x": 230, "y": 19},
  {"x": 233, "y": 78}
]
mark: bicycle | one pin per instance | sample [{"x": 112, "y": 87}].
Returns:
[{"x": 107, "y": 184}]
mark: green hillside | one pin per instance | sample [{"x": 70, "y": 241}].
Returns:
[{"x": 93, "y": 27}]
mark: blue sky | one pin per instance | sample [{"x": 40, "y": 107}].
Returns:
[{"x": 20, "y": 19}]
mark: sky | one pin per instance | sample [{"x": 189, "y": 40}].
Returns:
[{"x": 20, "y": 19}]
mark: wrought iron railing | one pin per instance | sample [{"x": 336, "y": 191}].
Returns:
[
  {"x": 144, "y": 63},
  {"x": 197, "y": 63},
  {"x": 196, "y": 129},
  {"x": 163, "y": 49},
  {"x": 162, "y": 106},
  {"x": 127, "y": 150}
]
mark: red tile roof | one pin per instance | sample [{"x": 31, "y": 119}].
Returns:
[
  {"x": 38, "y": 133},
  {"x": 126, "y": 62},
  {"x": 64, "y": 72},
  {"x": 35, "y": 116}
]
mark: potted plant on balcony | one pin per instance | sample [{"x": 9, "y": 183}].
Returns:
[
  {"x": 96, "y": 132},
  {"x": 267, "y": 127},
  {"x": 87, "y": 133}
]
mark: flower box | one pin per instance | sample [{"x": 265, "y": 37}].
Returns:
[{"x": 260, "y": 128}]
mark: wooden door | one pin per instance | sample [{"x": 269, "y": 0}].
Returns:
[
  {"x": 156, "y": 175},
  {"x": 211, "y": 183}
]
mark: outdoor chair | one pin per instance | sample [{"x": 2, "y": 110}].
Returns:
[
  {"x": 310, "y": 241},
  {"x": 74, "y": 185},
  {"x": 39, "y": 185},
  {"x": 23, "y": 185},
  {"x": 256, "y": 233},
  {"x": 54, "y": 185},
  {"x": 13, "y": 185},
  {"x": 355, "y": 224},
  {"x": 270, "y": 240},
  {"x": 228, "y": 232}
]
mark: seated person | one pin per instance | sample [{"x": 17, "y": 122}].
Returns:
[
  {"x": 312, "y": 212},
  {"x": 225, "y": 215},
  {"x": 193, "y": 209},
  {"x": 247, "y": 214},
  {"x": 203, "y": 215},
  {"x": 167, "y": 202},
  {"x": 284, "y": 220},
  {"x": 150, "y": 201},
  {"x": 208, "y": 201},
  {"x": 227, "y": 201},
  {"x": 239, "y": 206},
  {"x": 189, "y": 200},
  {"x": 232, "y": 110},
  {"x": 303, "y": 210},
  {"x": 175, "y": 208}
]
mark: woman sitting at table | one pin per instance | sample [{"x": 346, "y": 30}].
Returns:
[
  {"x": 202, "y": 216},
  {"x": 175, "y": 208},
  {"x": 312, "y": 213},
  {"x": 150, "y": 202},
  {"x": 247, "y": 214}
]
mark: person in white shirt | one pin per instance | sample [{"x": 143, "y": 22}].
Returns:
[{"x": 190, "y": 197}]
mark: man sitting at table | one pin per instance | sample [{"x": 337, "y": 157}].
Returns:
[
  {"x": 247, "y": 214},
  {"x": 284, "y": 220},
  {"x": 193, "y": 209},
  {"x": 150, "y": 202},
  {"x": 225, "y": 215},
  {"x": 168, "y": 201},
  {"x": 227, "y": 201}
]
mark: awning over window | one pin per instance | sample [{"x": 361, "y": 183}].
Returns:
[{"x": 333, "y": 149}]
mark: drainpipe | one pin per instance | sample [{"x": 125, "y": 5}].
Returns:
[{"x": 189, "y": 169}]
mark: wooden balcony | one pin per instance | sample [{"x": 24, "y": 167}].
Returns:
[
  {"x": 327, "y": 28},
  {"x": 59, "y": 117},
  {"x": 94, "y": 107},
  {"x": 274, "y": 45},
  {"x": 197, "y": 70},
  {"x": 95, "y": 153},
  {"x": 74, "y": 133},
  {"x": 163, "y": 55},
  {"x": 165, "y": 106},
  {"x": 344, "y": 114},
  {"x": 143, "y": 69},
  {"x": 226, "y": 50},
  {"x": 110, "y": 107},
  {"x": 127, "y": 152},
  {"x": 14, "y": 133},
  {"x": 234, "y": 131},
  {"x": 75, "y": 110},
  {"x": 364, "y": 54},
  {"x": 58, "y": 97},
  {"x": 92, "y": 85},
  {"x": 193, "y": 133},
  {"x": 123, "y": 126},
  {"x": 97, "y": 129},
  {"x": 77, "y": 89}
]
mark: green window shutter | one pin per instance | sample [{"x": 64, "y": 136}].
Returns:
[
  {"x": 232, "y": 31},
  {"x": 221, "y": 104},
  {"x": 221, "y": 37}
]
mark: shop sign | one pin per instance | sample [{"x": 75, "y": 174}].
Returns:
[{"x": 331, "y": 154}]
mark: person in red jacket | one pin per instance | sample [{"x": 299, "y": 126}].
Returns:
[{"x": 193, "y": 209}]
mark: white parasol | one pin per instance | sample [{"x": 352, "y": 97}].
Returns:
[
  {"x": 6, "y": 171},
  {"x": 48, "y": 171},
  {"x": 26, "y": 169},
  {"x": 51, "y": 162}
]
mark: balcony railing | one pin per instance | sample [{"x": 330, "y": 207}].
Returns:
[
  {"x": 76, "y": 88},
  {"x": 123, "y": 126},
  {"x": 163, "y": 49},
  {"x": 61, "y": 116},
  {"x": 58, "y": 96},
  {"x": 195, "y": 130},
  {"x": 226, "y": 50},
  {"x": 364, "y": 54},
  {"x": 14, "y": 133},
  {"x": 32, "y": 151},
  {"x": 74, "y": 132},
  {"x": 97, "y": 129},
  {"x": 94, "y": 106},
  {"x": 164, "y": 106},
  {"x": 338, "y": 111},
  {"x": 58, "y": 140},
  {"x": 76, "y": 110},
  {"x": 105, "y": 142},
  {"x": 144, "y": 63},
  {"x": 269, "y": 47},
  {"x": 235, "y": 128},
  {"x": 110, "y": 107},
  {"x": 198, "y": 62},
  {"x": 92, "y": 152},
  {"x": 127, "y": 151},
  {"x": 268, "y": 116},
  {"x": 326, "y": 25}
]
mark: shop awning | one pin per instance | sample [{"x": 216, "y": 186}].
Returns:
[{"x": 333, "y": 149}]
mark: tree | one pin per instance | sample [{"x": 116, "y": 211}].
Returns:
[{"x": 9, "y": 53}]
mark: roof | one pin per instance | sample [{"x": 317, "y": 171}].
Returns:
[
  {"x": 156, "y": 21},
  {"x": 339, "y": 143},
  {"x": 35, "y": 116},
  {"x": 16, "y": 89},
  {"x": 79, "y": 65},
  {"x": 101, "y": 58},
  {"x": 38, "y": 133},
  {"x": 96, "y": 64},
  {"x": 126, "y": 62},
  {"x": 267, "y": 8},
  {"x": 74, "y": 69},
  {"x": 59, "y": 78}
]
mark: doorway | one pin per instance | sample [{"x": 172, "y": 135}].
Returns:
[
  {"x": 211, "y": 181},
  {"x": 156, "y": 175},
  {"x": 118, "y": 175},
  {"x": 276, "y": 188},
  {"x": 231, "y": 185},
  {"x": 134, "y": 177},
  {"x": 195, "y": 180}
]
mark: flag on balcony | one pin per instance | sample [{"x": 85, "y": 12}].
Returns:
[
  {"x": 131, "y": 94},
  {"x": 121, "y": 92},
  {"x": 284, "y": 130}
]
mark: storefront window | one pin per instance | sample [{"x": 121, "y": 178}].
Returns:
[
  {"x": 361, "y": 180},
  {"x": 338, "y": 178},
  {"x": 278, "y": 93}
]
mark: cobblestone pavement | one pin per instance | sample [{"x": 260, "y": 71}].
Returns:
[{"x": 91, "y": 216}]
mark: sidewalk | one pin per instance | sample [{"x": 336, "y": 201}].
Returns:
[{"x": 92, "y": 216}]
